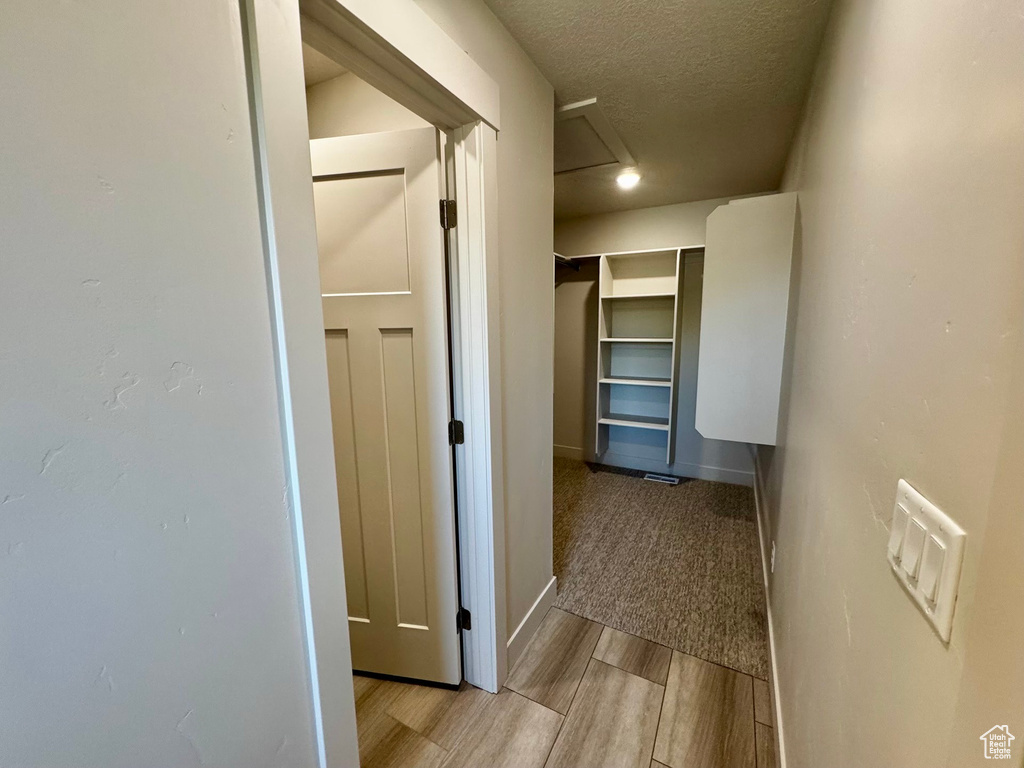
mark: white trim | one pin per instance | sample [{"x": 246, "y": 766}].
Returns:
[
  {"x": 397, "y": 48},
  {"x": 568, "y": 452},
  {"x": 761, "y": 512},
  {"x": 281, "y": 138},
  {"x": 531, "y": 622},
  {"x": 284, "y": 182},
  {"x": 477, "y": 395}
]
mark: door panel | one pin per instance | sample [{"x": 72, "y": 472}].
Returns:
[
  {"x": 363, "y": 241},
  {"x": 339, "y": 374},
  {"x": 383, "y": 283}
]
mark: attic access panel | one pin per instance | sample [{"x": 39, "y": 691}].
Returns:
[
  {"x": 577, "y": 146},
  {"x": 584, "y": 138}
]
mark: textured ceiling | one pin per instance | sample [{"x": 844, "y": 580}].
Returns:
[
  {"x": 706, "y": 94},
  {"x": 317, "y": 67}
]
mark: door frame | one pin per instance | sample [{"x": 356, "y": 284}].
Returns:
[{"x": 396, "y": 47}]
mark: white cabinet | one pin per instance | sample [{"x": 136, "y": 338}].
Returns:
[{"x": 745, "y": 305}]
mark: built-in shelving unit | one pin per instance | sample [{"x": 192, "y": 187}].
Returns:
[{"x": 637, "y": 348}]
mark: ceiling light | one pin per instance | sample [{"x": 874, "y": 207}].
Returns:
[{"x": 628, "y": 179}]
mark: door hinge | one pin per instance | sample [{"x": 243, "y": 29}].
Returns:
[
  {"x": 449, "y": 217},
  {"x": 463, "y": 620},
  {"x": 456, "y": 432}
]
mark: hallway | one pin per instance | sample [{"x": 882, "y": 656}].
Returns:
[{"x": 582, "y": 695}]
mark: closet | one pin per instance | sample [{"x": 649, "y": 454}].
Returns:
[{"x": 685, "y": 345}]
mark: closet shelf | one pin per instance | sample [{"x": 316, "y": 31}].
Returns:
[
  {"x": 640, "y": 422},
  {"x": 639, "y": 340},
  {"x": 637, "y": 381},
  {"x": 662, "y": 295}
]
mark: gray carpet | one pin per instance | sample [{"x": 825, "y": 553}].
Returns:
[{"x": 677, "y": 565}]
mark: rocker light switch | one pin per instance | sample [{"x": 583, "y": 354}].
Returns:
[
  {"x": 913, "y": 544},
  {"x": 931, "y": 568},
  {"x": 899, "y": 530},
  {"x": 925, "y": 550}
]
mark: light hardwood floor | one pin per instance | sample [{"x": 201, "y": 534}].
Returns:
[{"x": 582, "y": 696}]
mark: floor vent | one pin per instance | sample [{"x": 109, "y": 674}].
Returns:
[{"x": 666, "y": 479}]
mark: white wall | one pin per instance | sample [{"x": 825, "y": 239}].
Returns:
[
  {"x": 347, "y": 105},
  {"x": 909, "y": 287},
  {"x": 150, "y": 611},
  {"x": 576, "y": 337}
]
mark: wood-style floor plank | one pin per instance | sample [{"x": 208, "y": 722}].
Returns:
[
  {"x": 765, "y": 738},
  {"x": 417, "y": 706},
  {"x": 656, "y": 764},
  {"x": 634, "y": 655},
  {"x": 364, "y": 686},
  {"x": 386, "y": 743},
  {"x": 499, "y": 731},
  {"x": 466, "y": 712},
  {"x": 553, "y": 664},
  {"x": 707, "y": 720},
  {"x": 612, "y": 722},
  {"x": 762, "y": 703}
]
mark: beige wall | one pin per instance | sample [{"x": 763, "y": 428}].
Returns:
[
  {"x": 909, "y": 283},
  {"x": 525, "y": 171},
  {"x": 992, "y": 684},
  {"x": 662, "y": 227},
  {"x": 576, "y": 336},
  {"x": 152, "y": 608},
  {"x": 346, "y": 106}
]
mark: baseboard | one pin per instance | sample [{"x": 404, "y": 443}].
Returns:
[
  {"x": 531, "y": 622},
  {"x": 698, "y": 471},
  {"x": 568, "y": 452},
  {"x": 761, "y": 512}
]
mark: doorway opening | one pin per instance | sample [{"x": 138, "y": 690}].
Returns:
[{"x": 674, "y": 564}]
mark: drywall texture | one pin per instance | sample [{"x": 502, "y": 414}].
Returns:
[
  {"x": 909, "y": 289},
  {"x": 525, "y": 168},
  {"x": 150, "y": 611},
  {"x": 705, "y": 95},
  {"x": 576, "y": 297},
  {"x": 346, "y": 106}
]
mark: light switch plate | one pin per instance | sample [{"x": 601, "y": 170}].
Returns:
[{"x": 919, "y": 531}]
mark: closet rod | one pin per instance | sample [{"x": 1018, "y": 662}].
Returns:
[{"x": 566, "y": 262}]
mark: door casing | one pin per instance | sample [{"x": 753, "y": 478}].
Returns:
[{"x": 383, "y": 42}]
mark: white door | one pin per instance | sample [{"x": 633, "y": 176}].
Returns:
[{"x": 382, "y": 274}]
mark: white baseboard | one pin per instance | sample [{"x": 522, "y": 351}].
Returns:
[
  {"x": 531, "y": 622},
  {"x": 568, "y": 452},
  {"x": 762, "y": 531}
]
